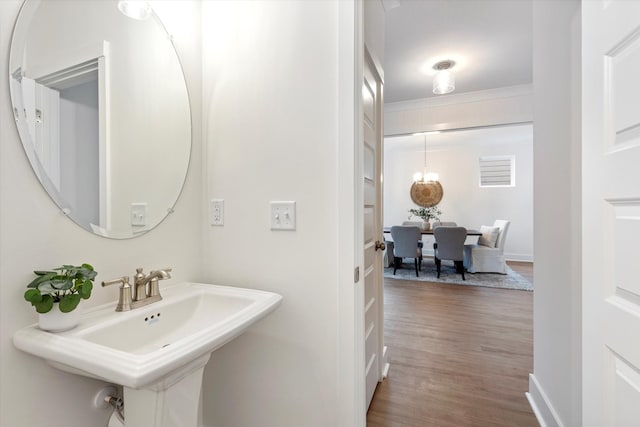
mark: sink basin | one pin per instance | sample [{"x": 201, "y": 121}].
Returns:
[{"x": 151, "y": 347}]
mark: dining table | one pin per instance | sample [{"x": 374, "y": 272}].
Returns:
[{"x": 470, "y": 231}]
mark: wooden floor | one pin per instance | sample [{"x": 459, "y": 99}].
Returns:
[{"x": 460, "y": 356}]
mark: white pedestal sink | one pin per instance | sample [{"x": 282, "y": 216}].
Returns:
[{"x": 158, "y": 352}]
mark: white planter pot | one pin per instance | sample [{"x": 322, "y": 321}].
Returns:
[{"x": 57, "y": 321}]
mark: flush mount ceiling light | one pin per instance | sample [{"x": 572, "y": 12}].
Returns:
[
  {"x": 444, "y": 81},
  {"x": 135, "y": 9}
]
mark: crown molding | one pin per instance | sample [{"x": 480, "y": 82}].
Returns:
[{"x": 460, "y": 98}]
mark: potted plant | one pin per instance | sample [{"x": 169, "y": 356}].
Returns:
[
  {"x": 56, "y": 294},
  {"x": 426, "y": 213}
]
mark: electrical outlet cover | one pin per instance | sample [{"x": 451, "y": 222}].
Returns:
[{"x": 216, "y": 212}]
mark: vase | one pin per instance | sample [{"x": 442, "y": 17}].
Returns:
[
  {"x": 426, "y": 225},
  {"x": 56, "y": 321}
]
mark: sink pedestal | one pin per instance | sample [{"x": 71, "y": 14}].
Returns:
[{"x": 174, "y": 402}]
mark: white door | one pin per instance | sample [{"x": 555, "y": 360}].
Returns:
[
  {"x": 611, "y": 212},
  {"x": 372, "y": 192}
]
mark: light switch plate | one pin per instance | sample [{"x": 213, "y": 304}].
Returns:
[
  {"x": 216, "y": 212},
  {"x": 283, "y": 215},
  {"x": 139, "y": 214}
]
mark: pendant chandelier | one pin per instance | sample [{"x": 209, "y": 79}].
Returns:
[
  {"x": 425, "y": 176},
  {"x": 426, "y": 190}
]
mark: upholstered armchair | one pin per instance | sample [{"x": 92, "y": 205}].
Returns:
[
  {"x": 487, "y": 256},
  {"x": 405, "y": 245},
  {"x": 450, "y": 246}
]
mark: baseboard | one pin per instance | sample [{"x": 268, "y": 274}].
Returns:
[
  {"x": 541, "y": 406},
  {"x": 518, "y": 257},
  {"x": 385, "y": 362}
]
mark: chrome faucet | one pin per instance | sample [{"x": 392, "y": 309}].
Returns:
[{"x": 146, "y": 289}]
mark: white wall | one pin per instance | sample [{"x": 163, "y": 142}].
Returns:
[
  {"x": 34, "y": 235},
  {"x": 273, "y": 124},
  {"x": 555, "y": 386},
  {"x": 454, "y": 155}
]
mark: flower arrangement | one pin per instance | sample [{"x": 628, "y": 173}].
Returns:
[
  {"x": 65, "y": 285},
  {"x": 428, "y": 213}
]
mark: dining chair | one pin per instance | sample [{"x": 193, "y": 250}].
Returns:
[
  {"x": 450, "y": 246},
  {"x": 437, "y": 224},
  {"x": 419, "y": 224},
  {"x": 405, "y": 245}
]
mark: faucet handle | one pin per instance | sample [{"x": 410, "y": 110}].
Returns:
[
  {"x": 124, "y": 280},
  {"x": 124, "y": 299}
]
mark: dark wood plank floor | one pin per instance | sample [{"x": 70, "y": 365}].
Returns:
[{"x": 460, "y": 356}]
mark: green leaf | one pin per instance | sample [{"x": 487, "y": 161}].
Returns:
[
  {"x": 85, "y": 289},
  {"x": 43, "y": 278},
  {"x": 46, "y": 288},
  {"x": 86, "y": 273},
  {"x": 62, "y": 284},
  {"x": 87, "y": 266},
  {"x": 42, "y": 273},
  {"x": 45, "y": 305},
  {"x": 69, "y": 302},
  {"x": 33, "y": 296}
]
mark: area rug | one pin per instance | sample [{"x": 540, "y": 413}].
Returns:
[{"x": 511, "y": 280}]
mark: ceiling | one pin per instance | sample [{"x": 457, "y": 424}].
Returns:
[{"x": 490, "y": 40}]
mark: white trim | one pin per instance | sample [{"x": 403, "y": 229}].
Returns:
[
  {"x": 350, "y": 334},
  {"x": 385, "y": 363},
  {"x": 358, "y": 218},
  {"x": 518, "y": 257},
  {"x": 104, "y": 142},
  {"x": 541, "y": 406},
  {"x": 460, "y": 98}
]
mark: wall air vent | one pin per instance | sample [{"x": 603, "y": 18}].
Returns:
[{"x": 497, "y": 171}]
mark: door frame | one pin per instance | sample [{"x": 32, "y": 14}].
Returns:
[{"x": 351, "y": 411}]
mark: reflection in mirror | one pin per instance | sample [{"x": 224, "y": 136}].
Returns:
[{"x": 102, "y": 110}]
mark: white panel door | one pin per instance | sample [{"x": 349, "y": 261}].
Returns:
[
  {"x": 372, "y": 193},
  {"x": 611, "y": 212}
]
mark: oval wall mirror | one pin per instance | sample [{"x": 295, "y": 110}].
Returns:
[{"x": 102, "y": 109}]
